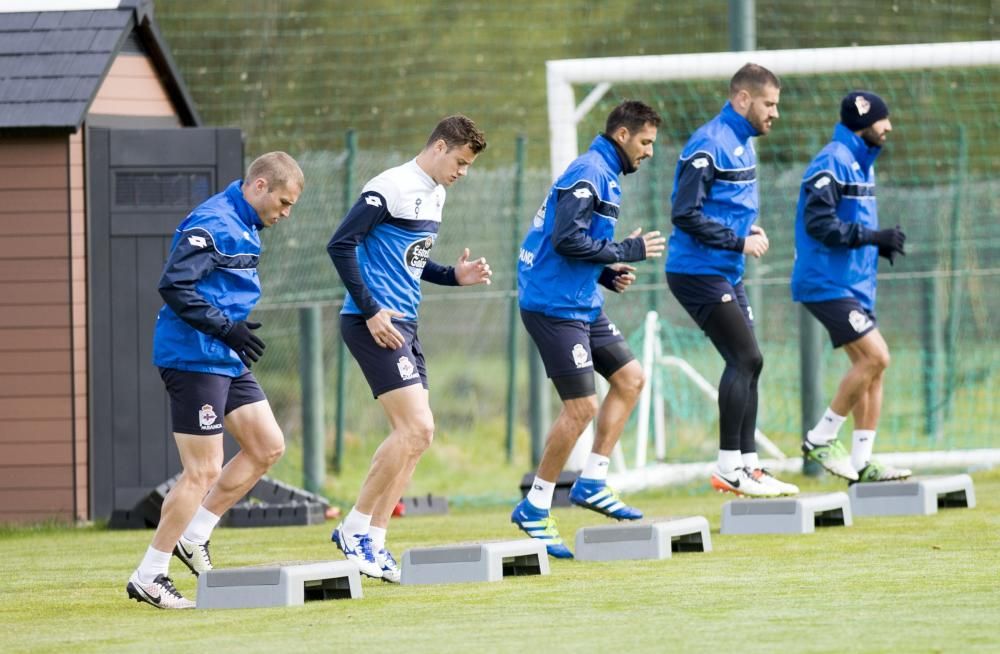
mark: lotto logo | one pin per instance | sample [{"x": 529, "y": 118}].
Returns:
[
  {"x": 699, "y": 163},
  {"x": 197, "y": 241},
  {"x": 373, "y": 200},
  {"x": 582, "y": 193},
  {"x": 821, "y": 182}
]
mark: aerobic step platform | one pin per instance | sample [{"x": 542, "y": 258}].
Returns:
[
  {"x": 280, "y": 584},
  {"x": 790, "y": 515},
  {"x": 451, "y": 564},
  {"x": 914, "y": 496},
  {"x": 657, "y": 538}
]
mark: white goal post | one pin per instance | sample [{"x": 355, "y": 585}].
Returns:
[
  {"x": 602, "y": 73},
  {"x": 562, "y": 74}
]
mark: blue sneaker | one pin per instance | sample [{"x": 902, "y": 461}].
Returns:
[
  {"x": 596, "y": 495},
  {"x": 357, "y": 548},
  {"x": 537, "y": 523}
]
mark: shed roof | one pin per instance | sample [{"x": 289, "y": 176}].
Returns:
[{"x": 52, "y": 63}]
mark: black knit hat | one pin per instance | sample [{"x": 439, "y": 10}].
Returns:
[{"x": 861, "y": 109}]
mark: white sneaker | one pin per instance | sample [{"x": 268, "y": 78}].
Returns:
[
  {"x": 161, "y": 593},
  {"x": 741, "y": 482},
  {"x": 390, "y": 569},
  {"x": 193, "y": 555},
  {"x": 832, "y": 456},
  {"x": 357, "y": 548},
  {"x": 764, "y": 476}
]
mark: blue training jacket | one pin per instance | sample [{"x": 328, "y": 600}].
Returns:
[
  {"x": 715, "y": 199},
  {"x": 833, "y": 224},
  {"x": 571, "y": 239},
  {"x": 209, "y": 283}
]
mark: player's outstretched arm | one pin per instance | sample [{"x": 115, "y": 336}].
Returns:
[
  {"x": 463, "y": 273},
  {"x": 653, "y": 243},
  {"x": 470, "y": 273}
]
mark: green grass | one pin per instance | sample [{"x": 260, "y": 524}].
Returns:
[{"x": 900, "y": 584}]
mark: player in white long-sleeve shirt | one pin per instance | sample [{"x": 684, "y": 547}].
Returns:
[{"x": 382, "y": 252}]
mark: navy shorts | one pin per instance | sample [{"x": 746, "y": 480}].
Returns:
[
  {"x": 385, "y": 370},
  {"x": 845, "y": 319},
  {"x": 700, "y": 294},
  {"x": 197, "y": 397},
  {"x": 568, "y": 346}
]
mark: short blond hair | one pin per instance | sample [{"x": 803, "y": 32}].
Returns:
[{"x": 278, "y": 168}]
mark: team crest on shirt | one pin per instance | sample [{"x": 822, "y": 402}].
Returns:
[
  {"x": 406, "y": 369},
  {"x": 417, "y": 254},
  {"x": 539, "y": 218},
  {"x": 580, "y": 356},
  {"x": 859, "y": 321},
  {"x": 207, "y": 417},
  {"x": 738, "y": 151}
]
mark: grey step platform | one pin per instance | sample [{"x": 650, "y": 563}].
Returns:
[
  {"x": 914, "y": 496},
  {"x": 280, "y": 584},
  {"x": 787, "y": 515},
  {"x": 450, "y": 564},
  {"x": 657, "y": 538}
]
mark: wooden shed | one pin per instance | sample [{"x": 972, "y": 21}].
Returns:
[{"x": 101, "y": 157}]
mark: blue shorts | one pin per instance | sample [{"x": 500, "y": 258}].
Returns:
[
  {"x": 845, "y": 319},
  {"x": 568, "y": 346},
  {"x": 700, "y": 294},
  {"x": 385, "y": 370},
  {"x": 197, "y": 397}
]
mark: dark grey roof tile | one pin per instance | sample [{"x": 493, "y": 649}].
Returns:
[
  {"x": 17, "y": 22},
  {"x": 112, "y": 18},
  {"x": 67, "y": 41},
  {"x": 105, "y": 40},
  {"x": 21, "y": 42},
  {"x": 41, "y": 114}
]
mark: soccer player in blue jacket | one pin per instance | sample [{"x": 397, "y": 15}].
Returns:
[
  {"x": 382, "y": 252},
  {"x": 715, "y": 204},
  {"x": 204, "y": 345},
  {"x": 570, "y": 250},
  {"x": 837, "y": 245}
]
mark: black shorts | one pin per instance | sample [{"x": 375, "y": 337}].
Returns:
[
  {"x": 700, "y": 294},
  {"x": 571, "y": 348},
  {"x": 845, "y": 319},
  {"x": 196, "y": 397},
  {"x": 385, "y": 370}
]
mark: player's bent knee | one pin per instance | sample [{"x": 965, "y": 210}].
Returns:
[
  {"x": 419, "y": 434},
  {"x": 582, "y": 409},
  {"x": 202, "y": 476}
]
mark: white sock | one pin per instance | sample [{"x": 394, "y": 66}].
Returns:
[
  {"x": 378, "y": 537},
  {"x": 153, "y": 564},
  {"x": 730, "y": 460},
  {"x": 826, "y": 429},
  {"x": 750, "y": 460},
  {"x": 862, "y": 442},
  {"x": 201, "y": 526},
  {"x": 540, "y": 495},
  {"x": 596, "y": 467},
  {"x": 357, "y": 522}
]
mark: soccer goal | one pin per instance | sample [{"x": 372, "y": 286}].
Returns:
[{"x": 943, "y": 383}]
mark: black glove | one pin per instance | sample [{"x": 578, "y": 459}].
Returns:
[
  {"x": 608, "y": 277},
  {"x": 890, "y": 239},
  {"x": 889, "y": 253},
  {"x": 247, "y": 346}
]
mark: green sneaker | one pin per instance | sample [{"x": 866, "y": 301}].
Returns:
[
  {"x": 875, "y": 471},
  {"x": 832, "y": 456}
]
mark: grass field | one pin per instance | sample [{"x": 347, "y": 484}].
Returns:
[{"x": 901, "y": 584}]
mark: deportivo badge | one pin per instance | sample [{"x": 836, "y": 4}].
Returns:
[
  {"x": 859, "y": 321},
  {"x": 406, "y": 369},
  {"x": 580, "y": 356},
  {"x": 207, "y": 417}
]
